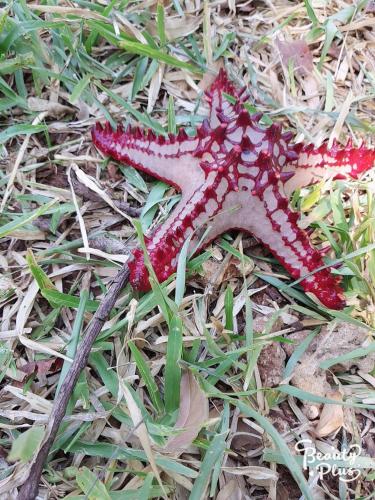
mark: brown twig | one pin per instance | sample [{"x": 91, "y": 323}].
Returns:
[{"x": 29, "y": 489}]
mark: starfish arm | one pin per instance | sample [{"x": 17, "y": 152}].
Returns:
[
  {"x": 200, "y": 216},
  {"x": 314, "y": 164},
  {"x": 270, "y": 220},
  {"x": 168, "y": 159},
  {"x": 220, "y": 105},
  {"x": 164, "y": 253},
  {"x": 163, "y": 247}
]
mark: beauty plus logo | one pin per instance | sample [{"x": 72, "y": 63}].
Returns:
[{"x": 341, "y": 464}]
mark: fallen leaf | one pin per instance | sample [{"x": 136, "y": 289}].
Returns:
[
  {"x": 299, "y": 53},
  {"x": 42, "y": 366},
  {"x": 192, "y": 415},
  {"x": 177, "y": 27},
  {"x": 210, "y": 76},
  {"x": 261, "y": 476},
  {"x": 245, "y": 438},
  {"x": 230, "y": 491},
  {"x": 53, "y": 108},
  {"x": 334, "y": 340},
  {"x": 91, "y": 485},
  {"x": 141, "y": 430},
  {"x": 331, "y": 418},
  {"x": 25, "y": 445}
]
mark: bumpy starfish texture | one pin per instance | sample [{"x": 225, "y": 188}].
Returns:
[{"x": 234, "y": 174}]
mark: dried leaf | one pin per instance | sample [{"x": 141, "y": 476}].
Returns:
[
  {"x": 231, "y": 490},
  {"x": 331, "y": 417},
  {"x": 141, "y": 430},
  {"x": 209, "y": 77},
  {"x": 299, "y": 53},
  {"x": 52, "y": 108},
  {"x": 192, "y": 415},
  {"x": 177, "y": 27},
  {"x": 336, "y": 341},
  {"x": 261, "y": 476},
  {"x": 42, "y": 366}
]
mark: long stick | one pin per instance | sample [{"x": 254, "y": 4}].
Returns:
[{"x": 29, "y": 489}]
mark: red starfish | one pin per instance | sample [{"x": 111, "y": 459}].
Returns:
[{"x": 234, "y": 174}]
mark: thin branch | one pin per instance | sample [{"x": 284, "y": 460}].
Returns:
[{"x": 29, "y": 489}]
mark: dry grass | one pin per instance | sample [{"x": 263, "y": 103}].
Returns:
[{"x": 262, "y": 366}]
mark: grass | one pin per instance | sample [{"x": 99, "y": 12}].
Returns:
[{"x": 230, "y": 311}]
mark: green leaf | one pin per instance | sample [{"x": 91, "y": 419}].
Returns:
[
  {"x": 141, "y": 117},
  {"x": 160, "y": 21},
  {"x": 172, "y": 367},
  {"x": 26, "y": 444},
  {"x": 79, "y": 88},
  {"x": 298, "y": 353},
  {"x": 228, "y": 307},
  {"x": 290, "y": 460},
  {"x": 139, "y": 75},
  {"x": 308, "y": 396},
  {"x": 147, "y": 377},
  {"x": 154, "y": 198},
  {"x": 331, "y": 32},
  {"x": 113, "y": 452},
  {"x": 108, "y": 375},
  {"x": 223, "y": 429},
  {"x": 145, "y": 50},
  {"x": 356, "y": 353},
  {"x": 91, "y": 486},
  {"x": 21, "y": 129},
  {"x": 165, "y": 304},
  {"x": 39, "y": 275},
  {"x": 311, "y": 12},
  {"x": 357, "y": 462},
  {"x": 74, "y": 338},
  {"x": 134, "y": 178},
  {"x": 60, "y": 299},
  {"x": 10, "y": 66},
  {"x": 171, "y": 116},
  {"x": 212, "y": 456},
  {"x": 181, "y": 271},
  {"x": 312, "y": 198},
  {"x": 22, "y": 220}
]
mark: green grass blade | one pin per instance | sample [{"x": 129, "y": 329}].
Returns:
[
  {"x": 71, "y": 348},
  {"x": 171, "y": 116},
  {"x": 298, "y": 352},
  {"x": 292, "y": 464},
  {"x": 172, "y": 367},
  {"x": 212, "y": 456},
  {"x": 160, "y": 22},
  {"x": 106, "y": 373},
  {"x": 181, "y": 271},
  {"x": 145, "y": 50},
  {"x": 39, "y": 275},
  {"x": 228, "y": 307},
  {"x": 21, "y": 129},
  {"x": 356, "y": 353},
  {"x": 313, "y": 398},
  {"x": 147, "y": 378},
  {"x": 22, "y": 220},
  {"x": 60, "y": 299},
  {"x": 113, "y": 452}
]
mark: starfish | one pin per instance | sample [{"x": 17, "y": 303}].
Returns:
[{"x": 233, "y": 174}]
